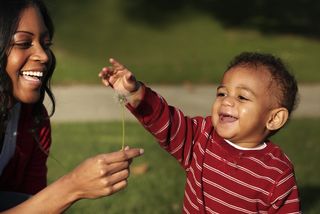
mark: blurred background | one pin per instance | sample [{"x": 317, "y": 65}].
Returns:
[
  {"x": 178, "y": 37},
  {"x": 177, "y": 42}
]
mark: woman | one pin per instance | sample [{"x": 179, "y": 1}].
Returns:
[{"x": 26, "y": 67}]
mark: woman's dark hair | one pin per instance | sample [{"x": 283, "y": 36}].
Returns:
[{"x": 10, "y": 13}]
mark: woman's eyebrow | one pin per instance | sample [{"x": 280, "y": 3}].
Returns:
[
  {"x": 43, "y": 34},
  {"x": 22, "y": 31}
]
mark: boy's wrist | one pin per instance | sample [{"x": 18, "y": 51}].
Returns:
[
  {"x": 137, "y": 86},
  {"x": 135, "y": 97}
]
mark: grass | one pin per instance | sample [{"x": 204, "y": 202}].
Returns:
[
  {"x": 191, "y": 47},
  {"x": 160, "y": 189}
]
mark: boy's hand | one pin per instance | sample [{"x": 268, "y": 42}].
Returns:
[{"x": 119, "y": 78}]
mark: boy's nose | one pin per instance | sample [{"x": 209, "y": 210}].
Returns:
[{"x": 228, "y": 101}]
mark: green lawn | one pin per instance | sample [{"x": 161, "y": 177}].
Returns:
[
  {"x": 192, "y": 46},
  {"x": 160, "y": 189}
]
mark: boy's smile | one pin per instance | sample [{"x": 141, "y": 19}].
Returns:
[{"x": 241, "y": 109}]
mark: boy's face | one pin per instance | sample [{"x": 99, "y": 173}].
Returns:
[{"x": 242, "y": 106}]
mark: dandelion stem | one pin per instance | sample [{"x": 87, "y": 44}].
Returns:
[{"x": 123, "y": 125}]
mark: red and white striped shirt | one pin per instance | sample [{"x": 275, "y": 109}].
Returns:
[{"x": 220, "y": 178}]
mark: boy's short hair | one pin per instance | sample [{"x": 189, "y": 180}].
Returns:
[{"x": 284, "y": 80}]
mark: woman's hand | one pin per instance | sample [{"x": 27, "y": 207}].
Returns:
[{"x": 103, "y": 174}]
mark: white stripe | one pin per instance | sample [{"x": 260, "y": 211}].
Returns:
[
  {"x": 240, "y": 167},
  {"x": 285, "y": 179},
  {"x": 200, "y": 148},
  {"x": 292, "y": 201},
  {"x": 275, "y": 158},
  {"x": 162, "y": 128},
  {"x": 203, "y": 125},
  {"x": 190, "y": 202},
  {"x": 187, "y": 161},
  {"x": 194, "y": 177},
  {"x": 254, "y": 200},
  {"x": 210, "y": 210},
  {"x": 195, "y": 121},
  {"x": 177, "y": 148},
  {"x": 264, "y": 165},
  {"x": 194, "y": 191},
  {"x": 237, "y": 180},
  {"x": 283, "y": 195},
  {"x": 178, "y": 128},
  {"x": 240, "y": 209},
  {"x": 185, "y": 209},
  {"x": 197, "y": 164}
]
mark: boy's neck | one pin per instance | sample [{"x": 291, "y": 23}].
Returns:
[{"x": 247, "y": 146}]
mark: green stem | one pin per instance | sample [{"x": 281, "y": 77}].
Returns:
[{"x": 123, "y": 126}]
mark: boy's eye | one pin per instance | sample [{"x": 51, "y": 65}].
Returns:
[
  {"x": 242, "y": 98},
  {"x": 221, "y": 94}
]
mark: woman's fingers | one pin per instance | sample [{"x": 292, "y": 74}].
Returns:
[
  {"x": 115, "y": 181},
  {"x": 122, "y": 155},
  {"x": 112, "y": 168}
]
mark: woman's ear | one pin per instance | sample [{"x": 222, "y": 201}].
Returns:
[{"x": 277, "y": 118}]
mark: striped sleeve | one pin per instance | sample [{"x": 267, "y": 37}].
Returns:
[
  {"x": 285, "y": 196},
  {"x": 172, "y": 129}
]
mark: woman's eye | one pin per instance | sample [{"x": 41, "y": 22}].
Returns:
[
  {"x": 23, "y": 45},
  {"x": 47, "y": 44}
]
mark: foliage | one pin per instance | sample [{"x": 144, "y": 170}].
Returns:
[{"x": 180, "y": 41}]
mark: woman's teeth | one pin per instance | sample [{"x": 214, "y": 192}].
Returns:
[{"x": 32, "y": 73}]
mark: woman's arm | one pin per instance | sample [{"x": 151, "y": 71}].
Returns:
[{"x": 98, "y": 176}]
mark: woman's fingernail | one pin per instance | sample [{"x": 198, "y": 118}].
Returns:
[{"x": 141, "y": 151}]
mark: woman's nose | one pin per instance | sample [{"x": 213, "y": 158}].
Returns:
[{"x": 40, "y": 54}]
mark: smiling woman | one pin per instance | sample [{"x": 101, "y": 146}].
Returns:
[
  {"x": 29, "y": 56},
  {"x": 26, "y": 67}
]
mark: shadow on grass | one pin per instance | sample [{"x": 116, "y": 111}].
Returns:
[
  {"x": 309, "y": 197},
  {"x": 269, "y": 16}
]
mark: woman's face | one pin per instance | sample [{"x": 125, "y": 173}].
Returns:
[{"x": 29, "y": 57}]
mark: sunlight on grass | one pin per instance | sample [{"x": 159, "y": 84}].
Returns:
[{"x": 160, "y": 188}]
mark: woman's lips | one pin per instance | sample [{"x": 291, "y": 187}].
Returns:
[{"x": 33, "y": 77}]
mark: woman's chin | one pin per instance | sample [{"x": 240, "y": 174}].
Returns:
[{"x": 30, "y": 99}]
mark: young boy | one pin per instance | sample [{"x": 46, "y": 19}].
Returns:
[{"x": 230, "y": 164}]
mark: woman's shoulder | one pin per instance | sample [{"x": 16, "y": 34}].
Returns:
[{"x": 31, "y": 116}]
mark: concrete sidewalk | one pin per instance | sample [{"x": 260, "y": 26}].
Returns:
[{"x": 83, "y": 103}]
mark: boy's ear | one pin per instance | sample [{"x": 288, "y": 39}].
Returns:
[{"x": 277, "y": 118}]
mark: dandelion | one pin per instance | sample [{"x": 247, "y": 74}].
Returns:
[{"x": 122, "y": 99}]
